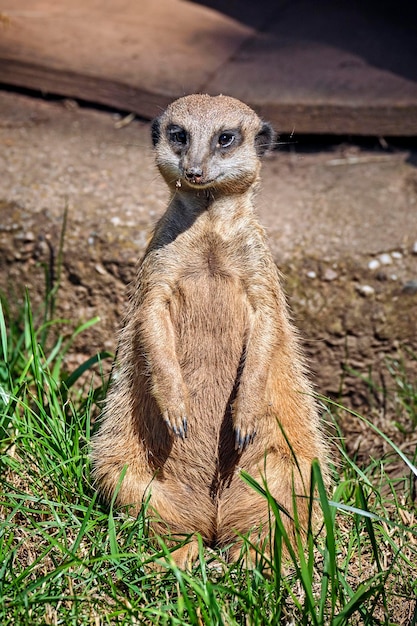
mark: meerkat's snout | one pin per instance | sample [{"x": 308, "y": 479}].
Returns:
[{"x": 194, "y": 174}]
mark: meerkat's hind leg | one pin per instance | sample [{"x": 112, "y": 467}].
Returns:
[{"x": 184, "y": 556}]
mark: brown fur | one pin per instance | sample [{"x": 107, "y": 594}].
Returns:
[{"x": 210, "y": 370}]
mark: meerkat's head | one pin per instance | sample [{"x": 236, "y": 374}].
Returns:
[{"x": 213, "y": 143}]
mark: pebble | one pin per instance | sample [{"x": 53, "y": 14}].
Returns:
[
  {"x": 100, "y": 269},
  {"x": 311, "y": 274},
  {"x": 385, "y": 259},
  {"x": 365, "y": 290},
  {"x": 330, "y": 274},
  {"x": 410, "y": 286},
  {"x": 396, "y": 255},
  {"x": 414, "y": 249},
  {"x": 70, "y": 104},
  {"x": 374, "y": 264}
]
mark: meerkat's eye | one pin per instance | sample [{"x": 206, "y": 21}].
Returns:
[
  {"x": 225, "y": 140},
  {"x": 177, "y": 134}
]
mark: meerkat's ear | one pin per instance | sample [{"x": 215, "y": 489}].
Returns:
[
  {"x": 155, "y": 131},
  {"x": 265, "y": 139}
]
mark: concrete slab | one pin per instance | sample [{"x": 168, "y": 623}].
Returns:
[
  {"x": 129, "y": 55},
  {"x": 322, "y": 67},
  {"x": 329, "y": 67}
]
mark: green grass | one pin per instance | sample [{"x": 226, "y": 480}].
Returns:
[{"x": 65, "y": 559}]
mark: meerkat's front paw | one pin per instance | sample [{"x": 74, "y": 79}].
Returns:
[
  {"x": 245, "y": 431},
  {"x": 176, "y": 421},
  {"x": 243, "y": 438}
]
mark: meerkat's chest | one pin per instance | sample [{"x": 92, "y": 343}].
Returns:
[
  {"x": 209, "y": 296},
  {"x": 218, "y": 261},
  {"x": 210, "y": 313}
]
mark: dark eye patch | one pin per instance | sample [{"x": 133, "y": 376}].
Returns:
[{"x": 177, "y": 135}]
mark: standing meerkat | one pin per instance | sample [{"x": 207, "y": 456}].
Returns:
[{"x": 210, "y": 378}]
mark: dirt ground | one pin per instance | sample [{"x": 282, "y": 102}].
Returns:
[{"x": 341, "y": 219}]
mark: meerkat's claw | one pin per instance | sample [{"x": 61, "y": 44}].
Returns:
[
  {"x": 167, "y": 420},
  {"x": 181, "y": 431},
  {"x": 251, "y": 437},
  {"x": 242, "y": 441},
  {"x": 177, "y": 425}
]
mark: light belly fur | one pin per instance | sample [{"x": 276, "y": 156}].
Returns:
[{"x": 210, "y": 327}]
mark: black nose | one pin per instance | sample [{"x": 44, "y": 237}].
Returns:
[{"x": 194, "y": 174}]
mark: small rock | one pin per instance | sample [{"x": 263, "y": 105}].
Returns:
[
  {"x": 374, "y": 264},
  {"x": 396, "y": 255},
  {"x": 365, "y": 290},
  {"x": 385, "y": 259},
  {"x": 414, "y": 249},
  {"x": 29, "y": 236},
  {"x": 70, "y": 104},
  {"x": 100, "y": 269},
  {"x": 311, "y": 274},
  {"x": 410, "y": 286},
  {"x": 330, "y": 274}
]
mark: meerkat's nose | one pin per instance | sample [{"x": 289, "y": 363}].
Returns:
[{"x": 194, "y": 174}]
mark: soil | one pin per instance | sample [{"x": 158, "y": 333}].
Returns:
[{"x": 341, "y": 219}]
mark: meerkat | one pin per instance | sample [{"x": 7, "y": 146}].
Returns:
[{"x": 211, "y": 379}]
